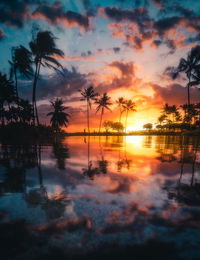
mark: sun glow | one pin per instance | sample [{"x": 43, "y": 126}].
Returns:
[{"x": 138, "y": 126}]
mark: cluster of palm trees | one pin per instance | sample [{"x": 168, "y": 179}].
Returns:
[
  {"x": 104, "y": 102},
  {"x": 27, "y": 63},
  {"x": 180, "y": 117}
]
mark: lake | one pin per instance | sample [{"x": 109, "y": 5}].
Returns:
[{"x": 94, "y": 197}]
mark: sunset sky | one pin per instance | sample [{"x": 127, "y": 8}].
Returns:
[{"x": 122, "y": 47}]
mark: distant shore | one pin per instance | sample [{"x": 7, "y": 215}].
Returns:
[{"x": 142, "y": 132}]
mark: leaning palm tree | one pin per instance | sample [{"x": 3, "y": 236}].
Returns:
[
  {"x": 88, "y": 94},
  {"x": 189, "y": 66},
  {"x": 129, "y": 106},
  {"x": 59, "y": 118},
  {"x": 44, "y": 50},
  {"x": 120, "y": 102},
  {"x": 103, "y": 103},
  {"x": 21, "y": 62}
]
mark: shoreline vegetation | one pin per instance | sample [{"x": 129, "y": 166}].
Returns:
[
  {"x": 46, "y": 134},
  {"x": 19, "y": 119}
]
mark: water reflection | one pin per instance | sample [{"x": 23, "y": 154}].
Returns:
[{"x": 130, "y": 193}]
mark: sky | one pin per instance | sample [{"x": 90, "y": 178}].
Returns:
[{"x": 123, "y": 47}]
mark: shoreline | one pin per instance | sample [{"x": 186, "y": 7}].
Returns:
[{"x": 138, "y": 133}]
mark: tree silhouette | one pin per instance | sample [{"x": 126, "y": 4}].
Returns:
[
  {"x": 6, "y": 94},
  {"x": 148, "y": 126},
  {"x": 120, "y": 102},
  {"x": 88, "y": 94},
  {"x": 171, "y": 111},
  {"x": 21, "y": 62},
  {"x": 44, "y": 50},
  {"x": 190, "y": 66},
  {"x": 103, "y": 103},
  {"x": 59, "y": 118},
  {"x": 129, "y": 106}
]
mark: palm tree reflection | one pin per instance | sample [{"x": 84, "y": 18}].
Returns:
[
  {"x": 90, "y": 171},
  {"x": 16, "y": 160},
  {"x": 187, "y": 193},
  {"x": 103, "y": 164},
  {"x": 60, "y": 153}
]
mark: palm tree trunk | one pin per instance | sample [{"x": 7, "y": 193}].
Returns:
[
  {"x": 35, "y": 112},
  {"x": 120, "y": 114},
  {"x": 126, "y": 120},
  {"x": 34, "y": 92},
  {"x": 88, "y": 117},
  {"x": 16, "y": 84},
  {"x": 100, "y": 120},
  {"x": 188, "y": 89}
]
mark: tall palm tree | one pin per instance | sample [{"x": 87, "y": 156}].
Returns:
[
  {"x": 44, "y": 50},
  {"x": 190, "y": 66},
  {"x": 88, "y": 94},
  {"x": 59, "y": 118},
  {"x": 21, "y": 62},
  {"x": 129, "y": 106},
  {"x": 103, "y": 103},
  {"x": 120, "y": 102}
]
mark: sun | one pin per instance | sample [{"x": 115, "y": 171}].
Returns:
[{"x": 136, "y": 127}]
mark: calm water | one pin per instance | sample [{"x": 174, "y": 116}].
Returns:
[{"x": 101, "y": 196}]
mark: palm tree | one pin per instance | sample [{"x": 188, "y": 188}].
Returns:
[
  {"x": 190, "y": 66},
  {"x": 21, "y": 62},
  {"x": 120, "y": 102},
  {"x": 103, "y": 103},
  {"x": 129, "y": 106},
  {"x": 88, "y": 94},
  {"x": 44, "y": 49},
  {"x": 58, "y": 116}
]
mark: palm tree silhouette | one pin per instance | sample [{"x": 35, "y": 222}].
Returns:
[
  {"x": 88, "y": 94},
  {"x": 129, "y": 106},
  {"x": 189, "y": 66},
  {"x": 103, "y": 103},
  {"x": 21, "y": 62},
  {"x": 90, "y": 171},
  {"x": 58, "y": 116},
  {"x": 44, "y": 49},
  {"x": 120, "y": 102}
]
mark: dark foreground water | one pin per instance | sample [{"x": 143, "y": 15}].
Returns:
[{"x": 101, "y": 198}]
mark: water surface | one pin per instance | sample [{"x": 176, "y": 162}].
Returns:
[{"x": 94, "y": 196}]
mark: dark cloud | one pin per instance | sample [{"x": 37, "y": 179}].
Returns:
[
  {"x": 137, "y": 27},
  {"x": 56, "y": 14},
  {"x": 15, "y": 12},
  {"x": 116, "y": 49},
  {"x": 58, "y": 85},
  {"x": 125, "y": 78},
  {"x": 137, "y": 14},
  {"x": 126, "y": 68},
  {"x": 175, "y": 94},
  {"x": 86, "y": 54}
]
